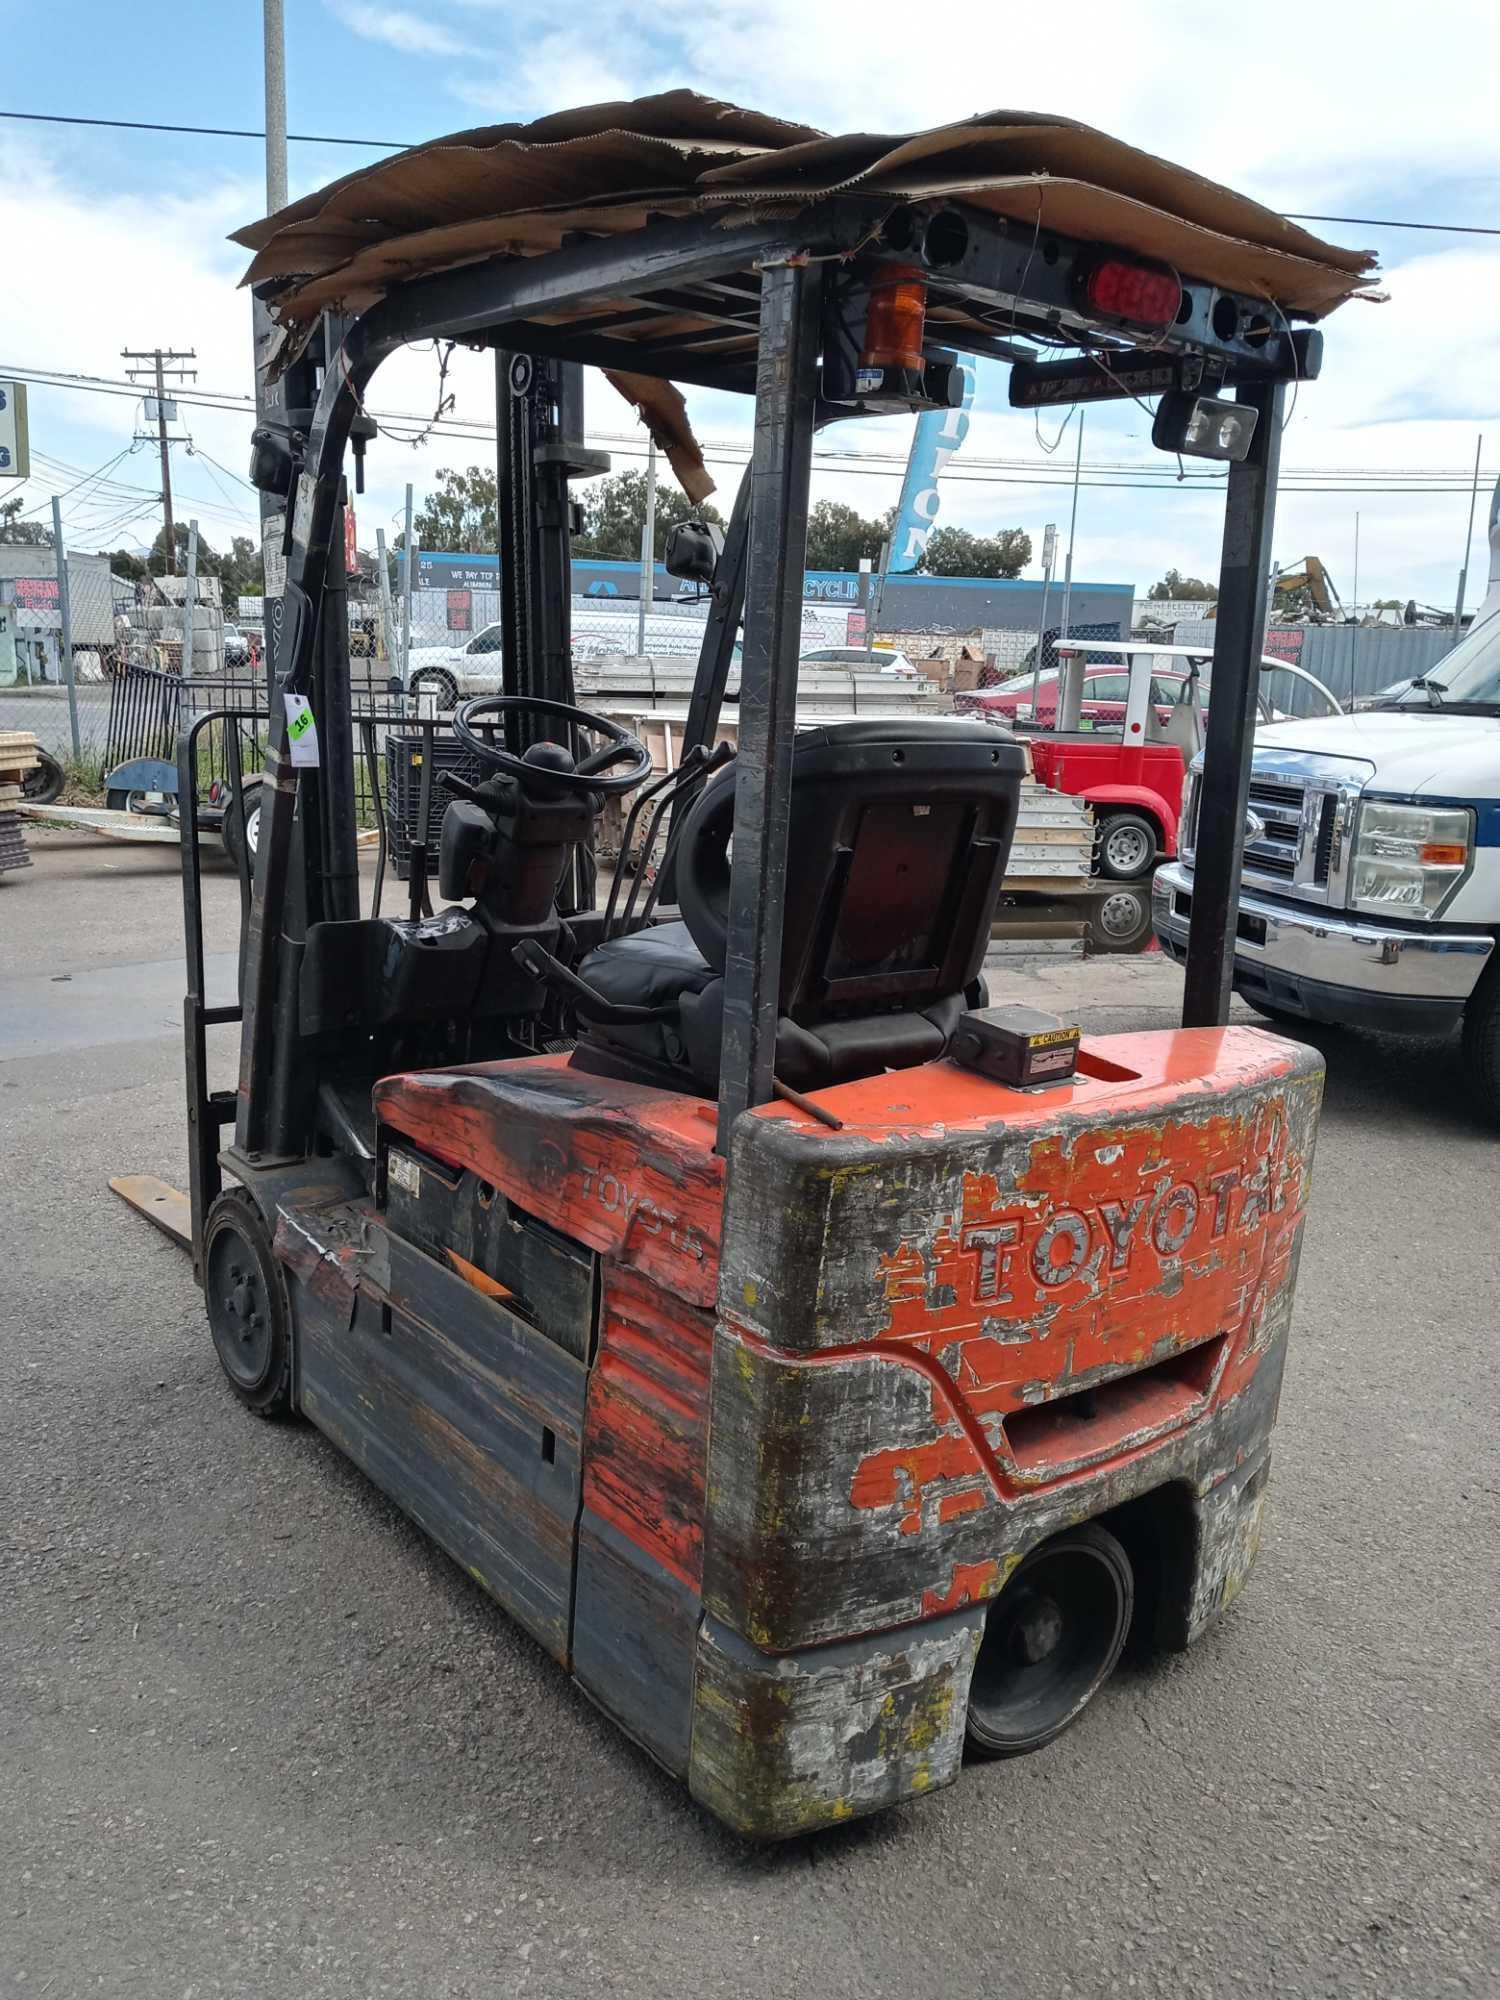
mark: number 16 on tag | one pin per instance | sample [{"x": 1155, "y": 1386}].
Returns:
[{"x": 301, "y": 731}]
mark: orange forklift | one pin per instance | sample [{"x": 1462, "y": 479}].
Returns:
[{"x": 829, "y": 1362}]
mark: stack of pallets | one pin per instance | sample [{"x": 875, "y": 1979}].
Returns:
[{"x": 17, "y": 757}]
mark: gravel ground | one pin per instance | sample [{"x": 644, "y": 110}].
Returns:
[{"x": 259, "y": 1738}]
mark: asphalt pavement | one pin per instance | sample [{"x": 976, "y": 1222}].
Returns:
[{"x": 257, "y": 1737}]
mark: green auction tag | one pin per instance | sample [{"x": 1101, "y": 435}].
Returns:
[{"x": 301, "y": 731}]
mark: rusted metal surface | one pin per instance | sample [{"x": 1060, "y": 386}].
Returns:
[
  {"x": 974, "y": 1317},
  {"x": 959, "y": 1323},
  {"x": 627, "y": 1170},
  {"x": 781, "y": 1746},
  {"x": 468, "y": 1417},
  {"x": 167, "y": 1207}
]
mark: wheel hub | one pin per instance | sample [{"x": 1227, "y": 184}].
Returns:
[
  {"x": 238, "y": 1315},
  {"x": 1037, "y": 1631},
  {"x": 1119, "y": 915}
]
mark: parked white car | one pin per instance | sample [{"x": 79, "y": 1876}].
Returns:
[
  {"x": 474, "y": 667},
  {"x": 854, "y": 659}
]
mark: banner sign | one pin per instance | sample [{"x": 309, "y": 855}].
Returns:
[{"x": 938, "y": 436}]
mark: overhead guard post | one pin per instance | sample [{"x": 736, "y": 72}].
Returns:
[
  {"x": 779, "y": 474},
  {"x": 1239, "y": 635}
]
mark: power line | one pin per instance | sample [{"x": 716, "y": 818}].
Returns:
[
  {"x": 200, "y": 131},
  {"x": 1370, "y": 222},
  {"x": 405, "y": 146}
]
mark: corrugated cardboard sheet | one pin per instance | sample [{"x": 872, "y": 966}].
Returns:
[{"x": 606, "y": 168}]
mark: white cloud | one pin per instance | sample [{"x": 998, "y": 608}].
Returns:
[
  {"x": 1406, "y": 385},
  {"x": 409, "y": 34}
]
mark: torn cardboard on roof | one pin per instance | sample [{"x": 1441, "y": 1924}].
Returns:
[{"x": 521, "y": 190}]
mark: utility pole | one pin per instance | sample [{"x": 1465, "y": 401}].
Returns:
[
  {"x": 1067, "y": 600},
  {"x": 1463, "y": 574},
  {"x": 159, "y": 363}
]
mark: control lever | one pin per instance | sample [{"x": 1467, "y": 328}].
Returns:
[
  {"x": 460, "y": 786},
  {"x": 533, "y": 958}
]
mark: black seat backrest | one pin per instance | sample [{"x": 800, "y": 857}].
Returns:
[{"x": 900, "y": 834}]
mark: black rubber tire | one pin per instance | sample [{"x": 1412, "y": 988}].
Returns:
[
  {"x": 1109, "y": 933},
  {"x": 43, "y": 784},
  {"x": 249, "y": 1314},
  {"x": 1481, "y": 1044},
  {"x": 117, "y": 801},
  {"x": 231, "y": 832},
  {"x": 442, "y": 681},
  {"x": 1133, "y": 831},
  {"x": 1013, "y": 1706}
]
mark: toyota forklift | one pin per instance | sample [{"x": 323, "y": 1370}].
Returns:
[{"x": 829, "y": 1361}]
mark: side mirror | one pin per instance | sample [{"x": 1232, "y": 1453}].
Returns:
[{"x": 693, "y": 551}]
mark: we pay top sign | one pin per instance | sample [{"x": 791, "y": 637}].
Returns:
[{"x": 15, "y": 456}]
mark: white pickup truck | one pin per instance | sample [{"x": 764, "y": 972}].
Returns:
[{"x": 1371, "y": 886}]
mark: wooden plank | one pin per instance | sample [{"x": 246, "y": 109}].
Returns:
[{"x": 169, "y": 1209}]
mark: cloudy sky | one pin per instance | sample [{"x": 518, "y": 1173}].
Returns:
[{"x": 117, "y": 239}]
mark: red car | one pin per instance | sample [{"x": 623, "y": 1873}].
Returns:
[{"x": 1104, "y": 692}]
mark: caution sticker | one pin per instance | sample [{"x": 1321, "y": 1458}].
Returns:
[{"x": 301, "y": 731}]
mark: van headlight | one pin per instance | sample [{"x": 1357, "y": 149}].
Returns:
[{"x": 1408, "y": 860}]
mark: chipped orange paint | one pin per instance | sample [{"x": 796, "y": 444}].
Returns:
[
  {"x": 646, "y": 1424},
  {"x": 628, "y": 1170},
  {"x": 1119, "y": 1246},
  {"x": 971, "y": 1583},
  {"x": 1147, "y": 1224}
]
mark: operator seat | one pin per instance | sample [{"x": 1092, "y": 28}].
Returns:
[{"x": 899, "y": 836}]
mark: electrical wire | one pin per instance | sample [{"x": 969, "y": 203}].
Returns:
[
  {"x": 406, "y": 145},
  {"x": 201, "y": 131}
]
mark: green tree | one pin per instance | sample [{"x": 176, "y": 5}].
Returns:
[
  {"x": 239, "y": 573},
  {"x": 462, "y": 517},
  {"x": 32, "y": 534},
  {"x": 839, "y": 538},
  {"x": 1175, "y": 584},
  {"x": 614, "y": 513},
  {"x": 126, "y": 563},
  {"x": 955, "y": 552}
]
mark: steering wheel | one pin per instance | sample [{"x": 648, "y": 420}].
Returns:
[{"x": 587, "y": 777}]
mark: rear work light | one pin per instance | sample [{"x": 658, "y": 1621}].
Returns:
[
  {"x": 1143, "y": 294},
  {"x": 896, "y": 320},
  {"x": 1203, "y": 426}
]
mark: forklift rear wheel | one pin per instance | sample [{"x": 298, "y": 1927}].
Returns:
[
  {"x": 248, "y": 1313},
  {"x": 1127, "y": 846},
  {"x": 1051, "y": 1640}
]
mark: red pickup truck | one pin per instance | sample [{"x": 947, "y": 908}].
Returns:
[{"x": 1128, "y": 756}]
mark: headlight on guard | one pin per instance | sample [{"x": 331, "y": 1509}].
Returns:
[{"x": 1408, "y": 860}]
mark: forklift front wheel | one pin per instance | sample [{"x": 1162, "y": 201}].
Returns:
[
  {"x": 248, "y": 1313},
  {"x": 1051, "y": 1640}
]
